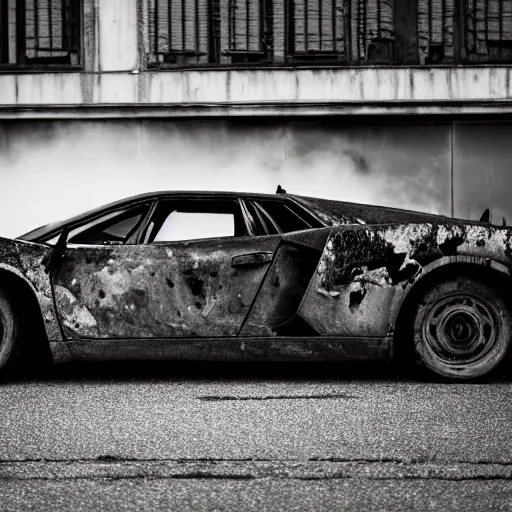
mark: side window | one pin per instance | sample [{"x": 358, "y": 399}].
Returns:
[
  {"x": 195, "y": 225},
  {"x": 285, "y": 217},
  {"x": 113, "y": 228},
  {"x": 175, "y": 221},
  {"x": 263, "y": 224}
]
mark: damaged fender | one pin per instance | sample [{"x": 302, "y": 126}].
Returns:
[
  {"x": 365, "y": 272},
  {"x": 27, "y": 261}
]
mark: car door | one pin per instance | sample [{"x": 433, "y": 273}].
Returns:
[
  {"x": 194, "y": 272},
  {"x": 295, "y": 260}
]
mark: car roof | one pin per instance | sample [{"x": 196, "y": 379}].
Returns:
[
  {"x": 371, "y": 214},
  {"x": 139, "y": 198}
]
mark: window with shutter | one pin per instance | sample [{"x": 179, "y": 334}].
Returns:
[
  {"x": 310, "y": 32},
  {"x": 488, "y": 34},
  {"x": 346, "y": 31},
  {"x": 482, "y": 29},
  {"x": 190, "y": 32},
  {"x": 317, "y": 30},
  {"x": 246, "y": 30},
  {"x": 39, "y": 32},
  {"x": 184, "y": 32},
  {"x": 372, "y": 30},
  {"x": 436, "y": 31}
]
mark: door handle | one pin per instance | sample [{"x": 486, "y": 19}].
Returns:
[{"x": 252, "y": 259}]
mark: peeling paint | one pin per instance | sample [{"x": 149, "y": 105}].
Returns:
[
  {"x": 321, "y": 86},
  {"x": 75, "y": 316},
  {"x": 27, "y": 260},
  {"x": 339, "y": 281},
  {"x": 379, "y": 276},
  {"x": 145, "y": 291},
  {"x": 365, "y": 267}
]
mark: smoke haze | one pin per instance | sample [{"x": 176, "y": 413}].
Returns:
[{"x": 53, "y": 170}]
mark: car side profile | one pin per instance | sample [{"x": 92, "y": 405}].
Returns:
[{"x": 240, "y": 276}]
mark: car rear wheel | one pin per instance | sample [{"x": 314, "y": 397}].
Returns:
[
  {"x": 9, "y": 338},
  {"x": 461, "y": 329}
]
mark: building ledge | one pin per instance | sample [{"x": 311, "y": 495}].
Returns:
[
  {"x": 262, "y": 91},
  {"x": 259, "y": 109}
]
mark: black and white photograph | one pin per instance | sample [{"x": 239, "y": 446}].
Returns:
[{"x": 255, "y": 255}]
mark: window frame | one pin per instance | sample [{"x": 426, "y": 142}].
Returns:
[
  {"x": 239, "y": 216},
  {"x": 397, "y": 42},
  {"x": 259, "y": 206},
  {"x": 259, "y": 223},
  {"x": 49, "y": 63},
  {"x": 103, "y": 224},
  {"x": 132, "y": 239},
  {"x": 220, "y": 50},
  {"x": 266, "y": 217}
]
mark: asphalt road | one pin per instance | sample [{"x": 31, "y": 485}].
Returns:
[{"x": 252, "y": 437}]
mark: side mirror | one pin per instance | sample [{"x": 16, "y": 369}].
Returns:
[
  {"x": 58, "y": 252},
  {"x": 486, "y": 216}
]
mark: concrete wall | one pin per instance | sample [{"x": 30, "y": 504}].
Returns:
[
  {"x": 483, "y": 169},
  {"x": 249, "y": 86},
  {"x": 118, "y": 35},
  {"x": 51, "y": 170}
]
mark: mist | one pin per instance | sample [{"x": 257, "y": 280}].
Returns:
[{"x": 52, "y": 170}]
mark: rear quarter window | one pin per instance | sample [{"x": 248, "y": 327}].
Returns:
[{"x": 289, "y": 217}]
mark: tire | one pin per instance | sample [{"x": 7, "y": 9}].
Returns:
[
  {"x": 461, "y": 329},
  {"x": 10, "y": 342}
]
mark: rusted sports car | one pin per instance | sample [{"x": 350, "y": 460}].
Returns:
[{"x": 234, "y": 276}]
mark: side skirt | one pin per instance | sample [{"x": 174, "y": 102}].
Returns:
[{"x": 226, "y": 349}]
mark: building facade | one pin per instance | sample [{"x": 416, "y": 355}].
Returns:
[{"x": 396, "y": 102}]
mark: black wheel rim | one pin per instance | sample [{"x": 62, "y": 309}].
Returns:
[{"x": 461, "y": 329}]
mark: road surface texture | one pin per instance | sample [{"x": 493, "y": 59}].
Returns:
[{"x": 257, "y": 437}]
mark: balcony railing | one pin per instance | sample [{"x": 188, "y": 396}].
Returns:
[{"x": 39, "y": 32}]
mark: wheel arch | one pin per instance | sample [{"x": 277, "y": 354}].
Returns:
[
  {"x": 491, "y": 271},
  {"x": 25, "y": 295}
]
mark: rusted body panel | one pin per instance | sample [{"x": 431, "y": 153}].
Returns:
[
  {"x": 287, "y": 280},
  {"x": 27, "y": 261},
  {"x": 228, "y": 349},
  {"x": 282, "y": 291},
  {"x": 181, "y": 289},
  {"x": 365, "y": 271},
  {"x": 306, "y": 294}
]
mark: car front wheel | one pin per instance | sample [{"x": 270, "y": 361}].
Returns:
[{"x": 461, "y": 328}]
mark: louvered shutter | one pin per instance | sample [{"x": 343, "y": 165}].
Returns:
[
  {"x": 179, "y": 31},
  {"x": 372, "y": 24},
  {"x": 489, "y": 30},
  {"x": 319, "y": 27},
  {"x": 436, "y": 31}
]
